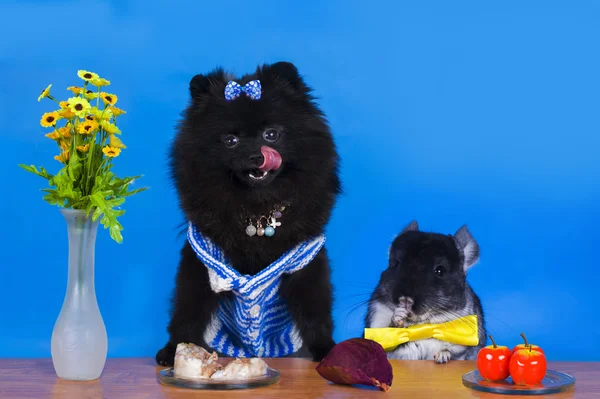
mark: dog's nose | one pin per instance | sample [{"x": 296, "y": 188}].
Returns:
[{"x": 256, "y": 160}]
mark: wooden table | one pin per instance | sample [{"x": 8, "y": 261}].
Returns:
[{"x": 136, "y": 378}]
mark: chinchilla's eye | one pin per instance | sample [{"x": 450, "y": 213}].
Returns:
[{"x": 439, "y": 271}]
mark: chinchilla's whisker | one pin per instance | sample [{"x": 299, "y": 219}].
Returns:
[
  {"x": 352, "y": 307},
  {"x": 350, "y": 311},
  {"x": 359, "y": 287},
  {"x": 364, "y": 296},
  {"x": 356, "y": 295},
  {"x": 488, "y": 316},
  {"x": 435, "y": 309}
]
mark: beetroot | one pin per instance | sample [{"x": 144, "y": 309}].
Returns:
[{"x": 357, "y": 361}]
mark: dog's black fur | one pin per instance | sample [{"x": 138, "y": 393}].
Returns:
[{"x": 217, "y": 195}]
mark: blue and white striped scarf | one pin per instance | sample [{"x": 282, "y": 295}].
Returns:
[{"x": 256, "y": 321}]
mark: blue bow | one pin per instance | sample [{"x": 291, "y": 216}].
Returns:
[{"x": 252, "y": 89}]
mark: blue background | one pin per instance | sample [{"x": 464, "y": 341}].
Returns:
[{"x": 485, "y": 113}]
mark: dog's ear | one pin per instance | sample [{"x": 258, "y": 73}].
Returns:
[
  {"x": 288, "y": 72},
  {"x": 199, "y": 85}
]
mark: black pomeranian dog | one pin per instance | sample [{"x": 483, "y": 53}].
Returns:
[{"x": 256, "y": 170}]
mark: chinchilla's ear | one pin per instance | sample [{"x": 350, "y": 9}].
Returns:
[
  {"x": 468, "y": 246},
  {"x": 396, "y": 250},
  {"x": 412, "y": 226}
]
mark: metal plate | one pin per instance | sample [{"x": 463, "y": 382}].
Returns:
[
  {"x": 168, "y": 377},
  {"x": 553, "y": 382}
]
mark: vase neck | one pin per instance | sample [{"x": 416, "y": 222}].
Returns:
[{"x": 81, "y": 231}]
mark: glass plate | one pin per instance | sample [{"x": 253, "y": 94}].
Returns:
[
  {"x": 553, "y": 382},
  {"x": 168, "y": 377}
]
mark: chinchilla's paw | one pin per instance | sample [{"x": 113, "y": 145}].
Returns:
[
  {"x": 403, "y": 310},
  {"x": 442, "y": 357}
]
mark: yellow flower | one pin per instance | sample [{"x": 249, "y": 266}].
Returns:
[
  {"x": 55, "y": 135},
  {"x": 109, "y": 99},
  {"x": 109, "y": 128},
  {"x": 115, "y": 142},
  {"x": 86, "y": 75},
  {"x": 63, "y": 104},
  {"x": 117, "y": 111},
  {"x": 111, "y": 152},
  {"x": 66, "y": 113},
  {"x": 63, "y": 157},
  {"x": 90, "y": 118},
  {"x": 101, "y": 114},
  {"x": 79, "y": 106},
  {"x": 90, "y": 95},
  {"x": 99, "y": 82},
  {"x": 45, "y": 93},
  {"x": 83, "y": 148},
  {"x": 49, "y": 119},
  {"x": 64, "y": 146},
  {"x": 65, "y": 132},
  {"x": 88, "y": 127},
  {"x": 76, "y": 90}
]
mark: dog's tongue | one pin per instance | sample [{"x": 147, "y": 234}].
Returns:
[{"x": 272, "y": 159}]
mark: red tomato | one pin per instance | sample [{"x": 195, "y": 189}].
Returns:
[
  {"x": 493, "y": 362},
  {"x": 527, "y": 367},
  {"x": 526, "y": 345}
]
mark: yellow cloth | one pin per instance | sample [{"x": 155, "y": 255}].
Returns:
[{"x": 461, "y": 331}]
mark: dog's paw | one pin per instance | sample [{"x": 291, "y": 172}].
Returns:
[
  {"x": 442, "y": 357},
  {"x": 166, "y": 356},
  {"x": 320, "y": 351}
]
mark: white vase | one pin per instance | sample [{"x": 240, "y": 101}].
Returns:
[{"x": 79, "y": 340}]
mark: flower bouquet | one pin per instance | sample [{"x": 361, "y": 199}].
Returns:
[
  {"x": 87, "y": 192},
  {"x": 88, "y": 142}
]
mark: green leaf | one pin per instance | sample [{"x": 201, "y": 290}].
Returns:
[
  {"x": 102, "y": 181},
  {"x": 74, "y": 158},
  {"x": 82, "y": 202},
  {"x": 64, "y": 186},
  {"x": 121, "y": 185},
  {"x": 74, "y": 170},
  {"x": 52, "y": 197},
  {"x": 42, "y": 172},
  {"x": 108, "y": 192},
  {"x": 98, "y": 201},
  {"x": 115, "y": 233},
  {"x": 132, "y": 192},
  {"x": 97, "y": 214}
]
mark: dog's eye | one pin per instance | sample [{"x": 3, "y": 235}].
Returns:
[
  {"x": 231, "y": 141},
  {"x": 439, "y": 271},
  {"x": 271, "y": 135}
]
